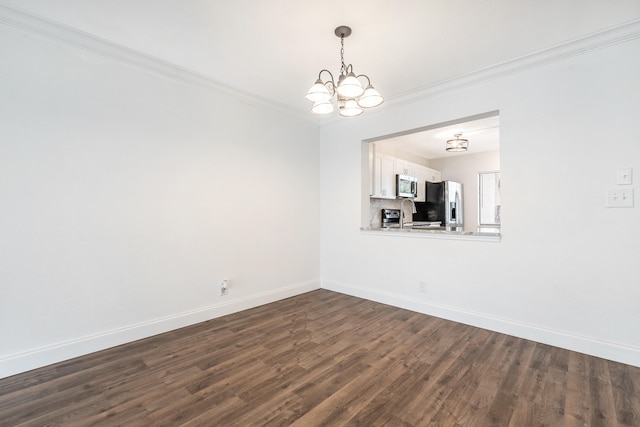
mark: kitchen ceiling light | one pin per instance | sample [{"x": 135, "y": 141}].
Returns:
[
  {"x": 457, "y": 144},
  {"x": 351, "y": 96}
]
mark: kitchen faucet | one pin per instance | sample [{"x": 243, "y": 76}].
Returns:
[{"x": 402, "y": 210}]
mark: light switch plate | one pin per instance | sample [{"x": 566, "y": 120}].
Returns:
[
  {"x": 624, "y": 176},
  {"x": 620, "y": 198}
]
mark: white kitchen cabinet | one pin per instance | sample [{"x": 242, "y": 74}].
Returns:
[
  {"x": 404, "y": 167},
  {"x": 385, "y": 167},
  {"x": 422, "y": 175},
  {"x": 433, "y": 175},
  {"x": 384, "y": 176}
]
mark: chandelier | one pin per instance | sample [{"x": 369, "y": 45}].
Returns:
[
  {"x": 351, "y": 96},
  {"x": 457, "y": 144}
]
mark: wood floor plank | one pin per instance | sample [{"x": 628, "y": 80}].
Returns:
[
  {"x": 437, "y": 384},
  {"x": 461, "y": 391},
  {"x": 529, "y": 408},
  {"x": 324, "y": 358},
  {"x": 603, "y": 411},
  {"x": 577, "y": 402},
  {"x": 346, "y": 403},
  {"x": 485, "y": 405},
  {"x": 626, "y": 394},
  {"x": 385, "y": 401}
]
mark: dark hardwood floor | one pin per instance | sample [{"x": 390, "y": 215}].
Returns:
[{"x": 326, "y": 359}]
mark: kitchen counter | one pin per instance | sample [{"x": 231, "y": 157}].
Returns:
[{"x": 431, "y": 232}]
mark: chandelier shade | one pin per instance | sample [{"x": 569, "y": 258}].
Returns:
[
  {"x": 350, "y": 87},
  {"x": 350, "y": 95},
  {"x": 350, "y": 108},
  {"x": 318, "y": 92},
  {"x": 322, "y": 107},
  {"x": 370, "y": 98}
]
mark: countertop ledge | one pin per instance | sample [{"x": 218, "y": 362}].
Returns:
[{"x": 431, "y": 234}]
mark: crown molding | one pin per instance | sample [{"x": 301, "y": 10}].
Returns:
[
  {"x": 619, "y": 34},
  {"x": 43, "y": 27},
  {"x": 25, "y": 21}
]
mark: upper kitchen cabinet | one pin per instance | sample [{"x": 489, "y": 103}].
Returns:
[
  {"x": 383, "y": 176},
  {"x": 423, "y": 174},
  {"x": 385, "y": 164},
  {"x": 385, "y": 168},
  {"x": 404, "y": 167},
  {"x": 433, "y": 175}
]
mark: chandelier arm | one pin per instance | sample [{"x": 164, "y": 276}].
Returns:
[
  {"x": 326, "y": 71},
  {"x": 365, "y": 76},
  {"x": 331, "y": 87},
  {"x": 348, "y": 69},
  {"x": 330, "y": 84}
]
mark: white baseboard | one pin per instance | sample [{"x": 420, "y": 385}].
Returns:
[
  {"x": 26, "y": 361},
  {"x": 22, "y": 362},
  {"x": 587, "y": 345}
]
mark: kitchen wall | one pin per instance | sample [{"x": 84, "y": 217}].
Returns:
[
  {"x": 129, "y": 190},
  {"x": 565, "y": 271}
]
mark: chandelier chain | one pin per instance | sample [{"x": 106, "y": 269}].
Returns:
[{"x": 343, "y": 68}]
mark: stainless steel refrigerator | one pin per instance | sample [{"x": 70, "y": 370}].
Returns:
[{"x": 444, "y": 204}]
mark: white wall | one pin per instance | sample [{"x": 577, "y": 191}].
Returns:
[
  {"x": 126, "y": 196},
  {"x": 565, "y": 272}
]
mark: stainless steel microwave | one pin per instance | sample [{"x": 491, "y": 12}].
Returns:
[{"x": 406, "y": 186}]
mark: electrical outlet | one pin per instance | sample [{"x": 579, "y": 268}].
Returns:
[
  {"x": 423, "y": 287},
  {"x": 224, "y": 287},
  {"x": 620, "y": 198}
]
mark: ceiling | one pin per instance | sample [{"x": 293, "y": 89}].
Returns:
[
  {"x": 274, "y": 49},
  {"x": 482, "y": 133}
]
